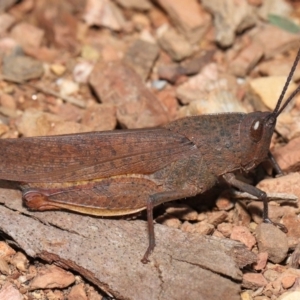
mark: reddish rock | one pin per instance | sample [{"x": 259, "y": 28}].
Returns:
[
  {"x": 255, "y": 2},
  {"x": 246, "y": 60},
  {"x": 276, "y": 212},
  {"x": 292, "y": 223},
  {"x": 198, "y": 86},
  {"x": 59, "y": 23},
  {"x": 183, "y": 212},
  {"x": 9, "y": 292},
  {"x": 36, "y": 123},
  {"x": 20, "y": 261},
  {"x": 5, "y": 250},
  {"x": 218, "y": 234},
  {"x": 174, "y": 43},
  {"x": 225, "y": 229},
  {"x": 288, "y": 157},
  {"x": 188, "y": 16},
  {"x": 169, "y": 221},
  {"x": 158, "y": 17},
  {"x": 187, "y": 226},
  {"x": 92, "y": 294},
  {"x": 174, "y": 72},
  {"x": 262, "y": 259},
  {"x": 241, "y": 215},
  {"x": 56, "y": 294},
  {"x": 277, "y": 67},
  {"x": 284, "y": 184},
  {"x": 288, "y": 281},
  {"x": 136, "y": 4},
  {"x": 202, "y": 217},
  {"x": 51, "y": 277},
  {"x": 100, "y": 117},
  {"x": 210, "y": 92},
  {"x": 201, "y": 228},
  {"x": 44, "y": 53},
  {"x": 4, "y": 267},
  {"x": 253, "y": 281},
  {"x": 168, "y": 99},
  {"x": 271, "y": 275},
  {"x": 104, "y": 13},
  {"x": 217, "y": 217},
  {"x": 141, "y": 56},
  {"x": 223, "y": 202},
  {"x": 293, "y": 242},
  {"x": 288, "y": 125},
  {"x": 229, "y": 18},
  {"x": 111, "y": 52},
  {"x": 6, "y": 21},
  {"x": 8, "y": 101},
  {"x": 68, "y": 112},
  {"x": 242, "y": 234},
  {"x": 27, "y": 35},
  {"x": 118, "y": 84},
  {"x": 284, "y": 40},
  {"x": 77, "y": 292},
  {"x": 272, "y": 240}
]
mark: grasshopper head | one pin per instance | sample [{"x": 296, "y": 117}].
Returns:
[
  {"x": 255, "y": 137},
  {"x": 257, "y": 128}
]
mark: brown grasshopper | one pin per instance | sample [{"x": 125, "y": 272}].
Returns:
[{"x": 121, "y": 172}]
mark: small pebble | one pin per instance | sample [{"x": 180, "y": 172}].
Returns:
[
  {"x": 253, "y": 280},
  {"x": 20, "y": 261},
  {"x": 183, "y": 212},
  {"x": 223, "y": 202},
  {"x": 51, "y": 276},
  {"x": 242, "y": 234},
  {"x": 172, "y": 222},
  {"x": 5, "y": 250},
  {"x": 288, "y": 281},
  {"x": 82, "y": 71},
  {"x": 58, "y": 69},
  {"x": 4, "y": 267},
  {"x": 217, "y": 217},
  {"x": 262, "y": 258},
  {"x": 159, "y": 84},
  {"x": 67, "y": 87},
  {"x": 271, "y": 275},
  {"x": 225, "y": 229}
]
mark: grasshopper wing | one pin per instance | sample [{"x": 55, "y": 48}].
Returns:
[{"x": 86, "y": 156}]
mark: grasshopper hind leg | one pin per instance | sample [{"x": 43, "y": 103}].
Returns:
[
  {"x": 57, "y": 198},
  {"x": 36, "y": 200}
]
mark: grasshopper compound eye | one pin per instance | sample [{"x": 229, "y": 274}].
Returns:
[{"x": 256, "y": 130}]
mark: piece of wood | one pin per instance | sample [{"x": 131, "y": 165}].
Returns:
[{"x": 107, "y": 252}]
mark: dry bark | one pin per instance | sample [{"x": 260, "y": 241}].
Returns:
[{"x": 108, "y": 252}]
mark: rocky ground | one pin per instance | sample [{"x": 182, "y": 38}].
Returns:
[{"x": 77, "y": 66}]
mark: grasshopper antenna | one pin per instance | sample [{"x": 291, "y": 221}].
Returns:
[{"x": 277, "y": 111}]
